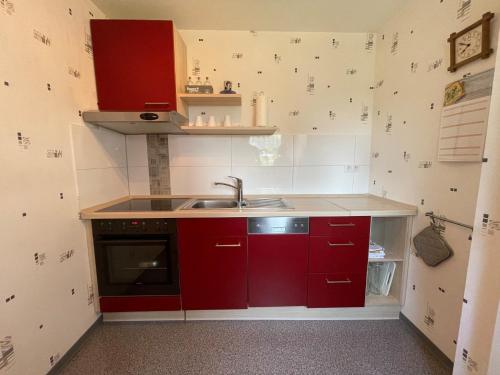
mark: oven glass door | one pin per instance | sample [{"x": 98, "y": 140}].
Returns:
[{"x": 136, "y": 267}]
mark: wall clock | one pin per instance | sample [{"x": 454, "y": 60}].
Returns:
[{"x": 471, "y": 43}]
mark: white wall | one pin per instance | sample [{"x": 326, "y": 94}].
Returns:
[
  {"x": 482, "y": 290},
  {"x": 412, "y": 102},
  {"x": 323, "y": 144},
  {"x": 45, "y": 303}
]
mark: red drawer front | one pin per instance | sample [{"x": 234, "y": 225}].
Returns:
[
  {"x": 213, "y": 272},
  {"x": 340, "y": 228},
  {"x": 213, "y": 227},
  {"x": 277, "y": 270},
  {"x": 336, "y": 290},
  {"x": 140, "y": 303},
  {"x": 329, "y": 256}
]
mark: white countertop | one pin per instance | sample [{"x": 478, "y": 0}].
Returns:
[{"x": 303, "y": 205}]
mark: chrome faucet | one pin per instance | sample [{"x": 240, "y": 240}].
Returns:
[{"x": 238, "y": 187}]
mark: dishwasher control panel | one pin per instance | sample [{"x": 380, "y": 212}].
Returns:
[{"x": 278, "y": 225}]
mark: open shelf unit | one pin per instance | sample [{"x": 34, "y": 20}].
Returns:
[
  {"x": 220, "y": 100},
  {"x": 211, "y": 99},
  {"x": 394, "y": 234}
]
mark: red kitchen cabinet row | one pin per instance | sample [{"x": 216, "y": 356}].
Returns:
[
  {"x": 221, "y": 267},
  {"x": 139, "y": 65}
]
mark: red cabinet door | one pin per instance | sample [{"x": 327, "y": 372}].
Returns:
[
  {"x": 277, "y": 270},
  {"x": 134, "y": 64},
  {"x": 213, "y": 268},
  {"x": 336, "y": 290}
]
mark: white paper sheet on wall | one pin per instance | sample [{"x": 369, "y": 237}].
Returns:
[{"x": 463, "y": 130}]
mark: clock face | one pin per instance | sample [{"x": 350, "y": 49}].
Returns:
[{"x": 469, "y": 44}]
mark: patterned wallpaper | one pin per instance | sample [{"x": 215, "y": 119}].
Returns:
[
  {"x": 319, "y": 86},
  {"x": 412, "y": 62},
  {"x": 46, "y": 79}
]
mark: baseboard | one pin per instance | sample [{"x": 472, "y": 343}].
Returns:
[
  {"x": 434, "y": 349},
  {"x": 74, "y": 348},
  {"x": 297, "y": 313},
  {"x": 143, "y": 316}
]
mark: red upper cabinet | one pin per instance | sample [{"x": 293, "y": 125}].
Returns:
[{"x": 139, "y": 65}]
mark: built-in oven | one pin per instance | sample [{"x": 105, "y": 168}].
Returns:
[{"x": 136, "y": 257}]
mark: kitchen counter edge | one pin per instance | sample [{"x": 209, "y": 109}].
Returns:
[{"x": 305, "y": 205}]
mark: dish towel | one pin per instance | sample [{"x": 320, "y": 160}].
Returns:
[{"x": 431, "y": 247}]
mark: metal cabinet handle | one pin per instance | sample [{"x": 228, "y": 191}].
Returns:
[
  {"x": 348, "y": 281},
  {"x": 156, "y": 103},
  {"x": 340, "y": 244},
  {"x": 342, "y": 225},
  {"x": 228, "y": 245}
]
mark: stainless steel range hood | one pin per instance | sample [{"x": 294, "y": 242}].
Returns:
[{"x": 137, "y": 122}]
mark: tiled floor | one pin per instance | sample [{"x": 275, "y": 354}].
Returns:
[{"x": 255, "y": 347}]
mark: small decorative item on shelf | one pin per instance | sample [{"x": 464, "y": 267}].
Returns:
[
  {"x": 198, "y": 87},
  {"x": 227, "y": 121},
  {"x": 228, "y": 88}
]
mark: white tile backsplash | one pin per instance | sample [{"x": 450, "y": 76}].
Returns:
[
  {"x": 324, "y": 149},
  {"x": 199, "y": 180},
  {"x": 363, "y": 150},
  {"x": 100, "y": 185},
  {"x": 361, "y": 180},
  {"x": 322, "y": 180},
  {"x": 278, "y": 164},
  {"x": 196, "y": 151},
  {"x": 266, "y": 151},
  {"x": 138, "y": 180},
  {"x": 137, "y": 150},
  {"x": 96, "y": 147},
  {"x": 265, "y": 180}
]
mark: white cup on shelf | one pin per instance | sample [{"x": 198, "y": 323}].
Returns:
[
  {"x": 199, "y": 121},
  {"x": 211, "y": 121},
  {"x": 227, "y": 120}
]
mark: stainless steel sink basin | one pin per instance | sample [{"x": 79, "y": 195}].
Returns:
[
  {"x": 217, "y": 204},
  {"x": 213, "y": 204},
  {"x": 267, "y": 203}
]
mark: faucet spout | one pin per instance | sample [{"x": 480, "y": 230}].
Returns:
[{"x": 238, "y": 187}]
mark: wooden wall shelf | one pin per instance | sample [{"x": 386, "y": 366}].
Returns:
[
  {"x": 229, "y": 130},
  {"x": 211, "y": 99}
]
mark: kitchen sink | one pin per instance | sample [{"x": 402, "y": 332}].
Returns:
[
  {"x": 214, "y": 204},
  {"x": 267, "y": 203}
]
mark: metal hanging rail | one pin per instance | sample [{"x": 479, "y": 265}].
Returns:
[{"x": 442, "y": 218}]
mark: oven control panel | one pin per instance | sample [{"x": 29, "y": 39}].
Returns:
[{"x": 133, "y": 226}]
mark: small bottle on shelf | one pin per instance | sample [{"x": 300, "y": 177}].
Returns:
[
  {"x": 190, "y": 81},
  {"x": 198, "y": 81},
  {"x": 207, "y": 82}
]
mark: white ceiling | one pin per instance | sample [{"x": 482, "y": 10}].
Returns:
[{"x": 278, "y": 15}]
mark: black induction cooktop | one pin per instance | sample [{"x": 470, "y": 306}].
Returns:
[{"x": 146, "y": 204}]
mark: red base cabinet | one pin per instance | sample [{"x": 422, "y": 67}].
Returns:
[
  {"x": 338, "y": 259},
  {"x": 277, "y": 270},
  {"x": 213, "y": 263}
]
